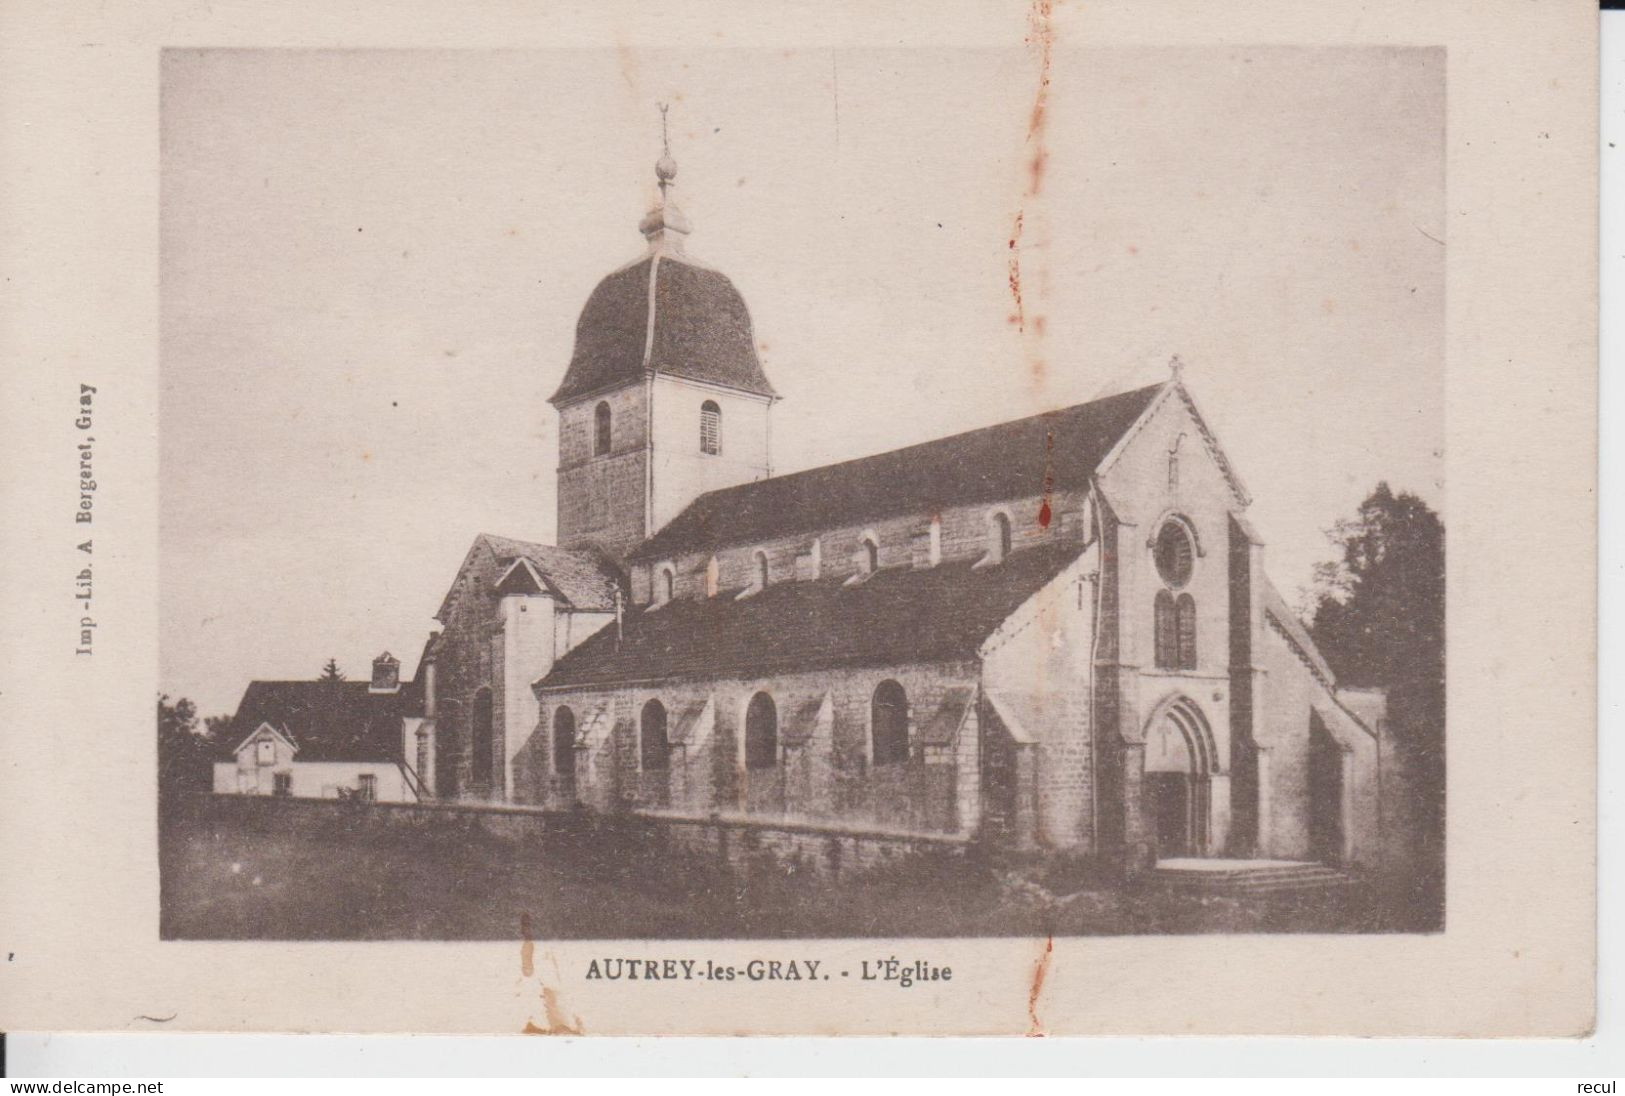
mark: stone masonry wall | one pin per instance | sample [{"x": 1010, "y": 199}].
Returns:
[{"x": 831, "y": 776}]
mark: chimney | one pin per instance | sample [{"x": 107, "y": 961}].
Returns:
[{"x": 386, "y": 674}]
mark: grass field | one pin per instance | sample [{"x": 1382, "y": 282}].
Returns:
[{"x": 231, "y": 881}]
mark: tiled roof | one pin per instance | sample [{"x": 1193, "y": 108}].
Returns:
[
  {"x": 895, "y": 616},
  {"x": 942, "y": 726},
  {"x": 1296, "y": 634},
  {"x": 327, "y": 720},
  {"x": 584, "y": 578},
  {"x": 701, "y": 330},
  {"x": 1060, "y": 449}
]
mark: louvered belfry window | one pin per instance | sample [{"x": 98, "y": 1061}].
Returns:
[{"x": 710, "y": 428}]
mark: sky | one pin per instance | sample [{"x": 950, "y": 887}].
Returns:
[{"x": 373, "y": 262}]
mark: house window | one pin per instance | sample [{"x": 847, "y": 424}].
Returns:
[
  {"x": 367, "y": 787},
  {"x": 281, "y": 783},
  {"x": 763, "y": 572},
  {"x": 713, "y": 572},
  {"x": 665, "y": 584},
  {"x": 761, "y": 733},
  {"x": 710, "y": 428},
  {"x": 998, "y": 536},
  {"x": 265, "y": 752},
  {"x": 888, "y": 715},
  {"x": 600, "y": 430},
  {"x": 653, "y": 746}
]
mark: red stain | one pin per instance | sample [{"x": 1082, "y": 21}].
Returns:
[
  {"x": 527, "y": 947},
  {"x": 1040, "y": 969},
  {"x": 1019, "y": 317},
  {"x": 1049, "y": 478}
]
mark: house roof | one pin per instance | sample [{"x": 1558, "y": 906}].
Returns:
[
  {"x": 1058, "y": 450},
  {"x": 895, "y": 616},
  {"x": 328, "y": 720},
  {"x": 581, "y": 578},
  {"x": 663, "y": 314}
]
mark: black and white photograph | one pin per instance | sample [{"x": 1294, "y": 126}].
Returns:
[
  {"x": 601, "y": 523},
  {"x": 728, "y": 520}
]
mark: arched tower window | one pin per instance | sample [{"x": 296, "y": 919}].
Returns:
[
  {"x": 998, "y": 536},
  {"x": 653, "y": 747},
  {"x": 482, "y": 744},
  {"x": 1186, "y": 612},
  {"x": 1174, "y": 629},
  {"x": 564, "y": 744},
  {"x": 1166, "y": 631},
  {"x": 761, "y": 733},
  {"x": 600, "y": 429},
  {"x": 710, "y": 428},
  {"x": 888, "y": 714}
]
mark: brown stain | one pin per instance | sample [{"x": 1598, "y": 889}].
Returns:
[
  {"x": 1040, "y": 39},
  {"x": 1041, "y": 36},
  {"x": 1040, "y": 970},
  {"x": 556, "y": 1022},
  {"x": 1328, "y": 306}
]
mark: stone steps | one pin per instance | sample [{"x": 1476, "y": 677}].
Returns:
[{"x": 1216, "y": 878}]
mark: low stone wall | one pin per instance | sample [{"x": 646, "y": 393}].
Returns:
[{"x": 732, "y": 841}]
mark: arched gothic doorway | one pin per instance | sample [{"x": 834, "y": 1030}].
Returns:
[{"x": 1177, "y": 795}]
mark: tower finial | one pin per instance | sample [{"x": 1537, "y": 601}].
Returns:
[
  {"x": 665, "y": 167},
  {"x": 1176, "y": 369},
  {"x": 664, "y": 226}
]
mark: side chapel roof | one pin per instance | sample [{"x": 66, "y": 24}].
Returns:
[
  {"x": 581, "y": 578},
  {"x": 896, "y": 615}
]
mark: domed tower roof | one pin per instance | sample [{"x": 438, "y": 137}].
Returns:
[{"x": 664, "y": 313}]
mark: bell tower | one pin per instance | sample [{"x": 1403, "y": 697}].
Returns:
[{"x": 665, "y": 397}]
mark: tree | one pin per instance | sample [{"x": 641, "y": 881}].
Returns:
[
  {"x": 331, "y": 671},
  {"x": 1379, "y": 620},
  {"x": 185, "y": 755}
]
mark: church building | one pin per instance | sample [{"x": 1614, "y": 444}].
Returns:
[{"x": 1052, "y": 633}]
